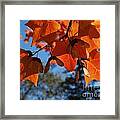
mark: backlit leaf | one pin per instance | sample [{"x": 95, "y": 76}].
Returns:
[
  {"x": 69, "y": 62},
  {"x": 93, "y": 66},
  {"x": 52, "y": 37},
  {"x": 29, "y": 66},
  {"x": 60, "y": 48},
  {"x": 87, "y": 29}
]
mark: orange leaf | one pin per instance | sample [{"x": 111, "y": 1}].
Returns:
[
  {"x": 39, "y": 32},
  {"x": 74, "y": 28},
  {"x": 97, "y": 42},
  {"x": 96, "y": 23},
  {"x": 60, "y": 48},
  {"x": 29, "y": 65},
  {"x": 34, "y": 24},
  {"x": 90, "y": 42},
  {"x": 93, "y": 33},
  {"x": 41, "y": 28},
  {"x": 53, "y": 26},
  {"x": 48, "y": 26},
  {"x": 83, "y": 28},
  {"x": 63, "y": 24},
  {"x": 23, "y": 53},
  {"x": 94, "y": 54},
  {"x": 36, "y": 36},
  {"x": 79, "y": 52},
  {"x": 94, "y": 72},
  {"x": 69, "y": 62},
  {"x": 95, "y": 58},
  {"x": 33, "y": 78},
  {"x": 93, "y": 66},
  {"x": 52, "y": 37},
  {"x": 77, "y": 48},
  {"x": 87, "y": 29},
  {"x": 76, "y": 39}
]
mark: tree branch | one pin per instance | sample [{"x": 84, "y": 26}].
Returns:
[
  {"x": 69, "y": 26},
  {"x": 64, "y": 36}
]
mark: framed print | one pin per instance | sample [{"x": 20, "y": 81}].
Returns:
[{"x": 60, "y": 60}]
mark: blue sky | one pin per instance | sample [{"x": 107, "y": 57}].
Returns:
[{"x": 43, "y": 55}]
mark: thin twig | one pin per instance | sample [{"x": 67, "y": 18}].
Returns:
[
  {"x": 69, "y": 26},
  {"x": 39, "y": 50}
]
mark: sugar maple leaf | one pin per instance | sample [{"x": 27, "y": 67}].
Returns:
[
  {"x": 38, "y": 27},
  {"x": 97, "y": 24},
  {"x": 36, "y": 36},
  {"x": 29, "y": 66},
  {"x": 53, "y": 26},
  {"x": 52, "y": 37},
  {"x": 74, "y": 28},
  {"x": 77, "y": 48},
  {"x": 39, "y": 32},
  {"x": 96, "y": 42},
  {"x": 95, "y": 54},
  {"x": 32, "y": 24},
  {"x": 24, "y": 53},
  {"x": 87, "y": 29},
  {"x": 60, "y": 48},
  {"x": 91, "y": 42},
  {"x": 93, "y": 66},
  {"x": 41, "y": 28},
  {"x": 79, "y": 51},
  {"x": 93, "y": 33},
  {"x": 63, "y": 24},
  {"x": 33, "y": 78}
]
